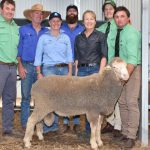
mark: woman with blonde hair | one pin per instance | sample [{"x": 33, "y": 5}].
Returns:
[{"x": 90, "y": 50}]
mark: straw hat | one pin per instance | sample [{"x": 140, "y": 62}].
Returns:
[{"x": 36, "y": 7}]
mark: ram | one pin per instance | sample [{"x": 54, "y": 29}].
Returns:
[{"x": 94, "y": 95}]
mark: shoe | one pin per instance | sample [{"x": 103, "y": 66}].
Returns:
[
  {"x": 76, "y": 128},
  {"x": 52, "y": 128},
  {"x": 123, "y": 138},
  {"x": 7, "y": 133},
  {"x": 108, "y": 128},
  {"x": 129, "y": 143},
  {"x": 66, "y": 128},
  {"x": 84, "y": 135},
  {"x": 117, "y": 133}
]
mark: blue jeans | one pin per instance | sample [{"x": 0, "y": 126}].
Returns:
[
  {"x": 8, "y": 77},
  {"x": 85, "y": 71},
  {"x": 26, "y": 85},
  {"x": 47, "y": 71}
]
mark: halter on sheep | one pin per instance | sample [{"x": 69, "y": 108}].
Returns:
[{"x": 94, "y": 95}]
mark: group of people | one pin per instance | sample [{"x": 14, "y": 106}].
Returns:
[{"x": 69, "y": 48}]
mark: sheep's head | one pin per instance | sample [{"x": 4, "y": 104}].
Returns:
[{"x": 120, "y": 68}]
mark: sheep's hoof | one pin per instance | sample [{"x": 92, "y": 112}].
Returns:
[
  {"x": 100, "y": 144},
  {"x": 94, "y": 146},
  {"x": 27, "y": 144},
  {"x": 40, "y": 136}
]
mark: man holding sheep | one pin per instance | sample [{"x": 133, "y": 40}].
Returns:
[{"x": 130, "y": 51}]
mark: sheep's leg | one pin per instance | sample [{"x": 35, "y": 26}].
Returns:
[
  {"x": 39, "y": 130},
  {"x": 98, "y": 131},
  {"x": 30, "y": 129},
  {"x": 49, "y": 119},
  {"x": 93, "y": 122},
  {"x": 33, "y": 119},
  {"x": 93, "y": 136}
]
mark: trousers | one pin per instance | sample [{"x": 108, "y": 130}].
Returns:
[
  {"x": 8, "y": 78},
  {"x": 129, "y": 104},
  {"x": 114, "y": 119}
]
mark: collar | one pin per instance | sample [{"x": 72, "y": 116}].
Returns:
[
  {"x": 94, "y": 31},
  {"x": 3, "y": 20},
  {"x": 126, "y": 26},
  {"x": 66, "y": 24},
  {"x": 42, "y": 27}
]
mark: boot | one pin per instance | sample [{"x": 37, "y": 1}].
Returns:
[{"x": 108, "y": 128}]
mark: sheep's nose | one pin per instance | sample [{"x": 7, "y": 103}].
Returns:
[{"x": 125, "y": 76}]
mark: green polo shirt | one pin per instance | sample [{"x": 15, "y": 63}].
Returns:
[
  {"x": 110, "y": 37},
  {"x": 9, "y": 38},
  {"x": 130, "y": 45}
]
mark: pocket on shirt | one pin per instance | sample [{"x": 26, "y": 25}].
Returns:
[
  {"x": 4, "y": 37},
  {"x": 4, "y": 34}
]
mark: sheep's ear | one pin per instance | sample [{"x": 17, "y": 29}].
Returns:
[{"x": 108, "y": 67}]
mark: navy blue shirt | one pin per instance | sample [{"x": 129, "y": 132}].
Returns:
[
  {"x": 72, "y": 33},
  {"x": 28, "y": 42}
]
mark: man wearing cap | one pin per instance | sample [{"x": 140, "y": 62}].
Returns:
[
  {"x": 110, "y": 29},
  {"x": 72, "y": 28},
  {"x": 9, "y": 37},
  {"x": 29, "y": 35},
  {"x": 54, "y": 54}
]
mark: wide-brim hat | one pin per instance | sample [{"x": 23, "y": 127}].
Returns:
[{"x": 36, "y": 7}]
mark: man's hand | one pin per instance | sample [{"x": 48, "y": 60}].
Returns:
[
  {"x": 39, "y": 76},
  {"x": 22, "y": 71}
]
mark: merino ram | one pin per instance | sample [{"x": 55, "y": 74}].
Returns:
[{"x": 94, "y": 95}]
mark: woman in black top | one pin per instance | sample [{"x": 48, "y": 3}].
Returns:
[{"x": 90, "y": 49}]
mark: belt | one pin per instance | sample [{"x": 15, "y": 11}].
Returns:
[
  {"x": 61, "y": 65},
  {"x": 28, "y": 62},
  {"x": 9, "y": 64},
  {"x": 88, "y": 65}
]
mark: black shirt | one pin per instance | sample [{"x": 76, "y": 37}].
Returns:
[{"x": 91, "y": 49}]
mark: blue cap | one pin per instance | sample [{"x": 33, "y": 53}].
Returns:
[{"x": 55, "y": 15}]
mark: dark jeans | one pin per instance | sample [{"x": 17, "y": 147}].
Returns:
[
  {"x": 8, "y": 77},
  {"x": 85, "y": 71}
]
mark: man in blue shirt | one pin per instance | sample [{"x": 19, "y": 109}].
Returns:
[
  {"x": 72, "y": 28},
  {"x": 29, "y": 35}
]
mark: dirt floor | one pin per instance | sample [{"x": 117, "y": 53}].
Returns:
[{"x": 57, "y": 141}]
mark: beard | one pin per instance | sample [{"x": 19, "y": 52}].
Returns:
[{"x": 71, "y": 19}]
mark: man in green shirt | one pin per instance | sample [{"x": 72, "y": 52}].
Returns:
[
  {"x": 130, "y": 51},
  {"x": 9, "y": 37},
  {"x": 109, "y": 28}
]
